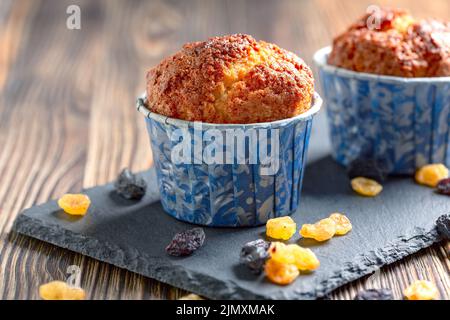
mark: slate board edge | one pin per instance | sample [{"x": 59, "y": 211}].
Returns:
[
  {"x": 217, "y": 289},
  {"x": 181, "y": 278}
]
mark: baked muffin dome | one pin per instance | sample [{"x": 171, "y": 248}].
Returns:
[
  {"x": 230, "y": 79},
  {"x": 401, "y": 46}
]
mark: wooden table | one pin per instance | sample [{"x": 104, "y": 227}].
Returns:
[{"x": 67, "y": 117}]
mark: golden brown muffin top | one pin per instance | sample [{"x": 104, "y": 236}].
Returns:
[
  {"x": 398, "y": 46},
  {"x": 230, "y": 79}
]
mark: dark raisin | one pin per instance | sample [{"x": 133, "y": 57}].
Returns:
[
  {"x": 254, "y": 255},
  {"x": 375, "y": 294},
  {"x": 443, "y": 226},
  {"x": 368, "y": 168},
  {"x": 186, "y": 242},
  {"x": 443, "y": 187},
  {"x": 130, "y": 186}
]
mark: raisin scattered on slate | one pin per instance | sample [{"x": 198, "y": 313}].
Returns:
[
  {"x": 304, "y": 259},
  {"x": 431, "y": 174},
  {"x": 281, "y": 273},
  {"x": 443, "y": 186},
  {"x": 443, "y": 225},
  {"x": 343, "y": 224},
  {"x": 366, "y": 187},
  {"x": 186, "y": 242},
  {"x": 281, "y": 228},
  {"x": 367, "y": 168},
  {"x": 375, "y": 294},
  {"x": 74, "y": 204},
  {"x": 130, "y": 186},
  {"x": 281, "y": 253},
  {"x": 254, "y": 255},
  {"x": 322, "y": 230}
]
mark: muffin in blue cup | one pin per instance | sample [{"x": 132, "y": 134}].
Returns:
[
  {"x": 387, "y": 91},
  {"x": 229, "y": 121}
]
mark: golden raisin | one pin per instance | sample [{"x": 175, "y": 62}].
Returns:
[
  {"x": 280, "y": 252},
  {"x": 343, "y": 224},
  {"x": 191, "y": 296},
  {"x": 59, "y": 290},
  {"x": 421, "y": 290},
  {"x": 431, "y": 174},
  {"x": 320, "y": 231},
  {"x": 281, "y": 273},
  {"x": 303, "y": 259},
  {"x": 281, "y": 228},
  {"x": 74, "y": 204},
  {"x": 366, "y": 187}
]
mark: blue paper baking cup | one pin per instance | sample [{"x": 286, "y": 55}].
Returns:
[
  {"x": 240, "y": 190},
  {"x": 402, "y": 121}
]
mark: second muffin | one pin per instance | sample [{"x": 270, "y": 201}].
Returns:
[
  {"x": 387, "y": 90},
  {"x": 399, "y": 45}
]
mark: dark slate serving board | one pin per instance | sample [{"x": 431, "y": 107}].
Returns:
[{"x": 133, "y": 235}]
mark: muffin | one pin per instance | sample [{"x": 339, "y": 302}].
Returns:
[
  {"x": 230, "y": 79},
  {"x": 250, "y": 101},
  {"x": 402, "y": 46},
  {"x": 387, "y": 91}
]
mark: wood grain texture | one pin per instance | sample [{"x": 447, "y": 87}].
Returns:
[{"x": 67, "y": 118}]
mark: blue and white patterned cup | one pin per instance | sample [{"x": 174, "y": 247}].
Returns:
[
  {"x": 241, "y": 191},
  {"x": 403, "y": 121}
]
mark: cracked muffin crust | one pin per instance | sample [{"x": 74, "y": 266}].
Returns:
[
  {"x": 230, "y": 79},
  {"x": 398, "y": 46}
]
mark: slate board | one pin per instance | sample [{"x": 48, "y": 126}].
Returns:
[{"x": 133, "y": 235}]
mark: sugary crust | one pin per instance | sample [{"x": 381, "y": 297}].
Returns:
[
  {"x": 230, "y": 79},
  {"x": 400, "y": 46}
]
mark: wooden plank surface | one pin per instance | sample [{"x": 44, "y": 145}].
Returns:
[{"x": 67, "y": 118}]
